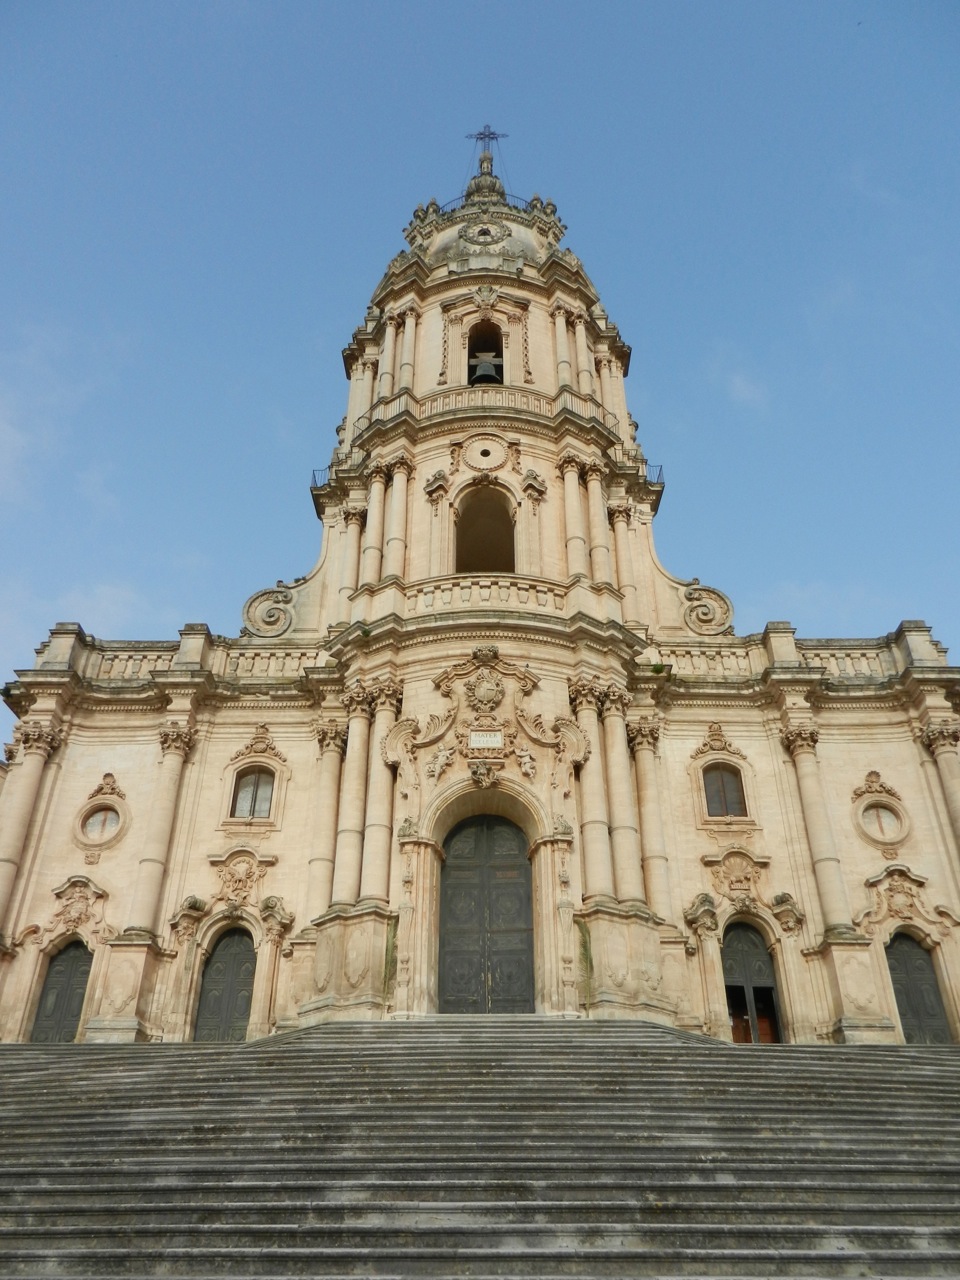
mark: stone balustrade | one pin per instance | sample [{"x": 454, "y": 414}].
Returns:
[{"x": 485, "y": 591}]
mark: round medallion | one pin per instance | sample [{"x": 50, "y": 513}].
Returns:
[
  {"x": 484, "y": 691},
  {"x": 484, "y": 232},
  {"x": 883, "y": 822},
  {"x": 485, "y": 453}
]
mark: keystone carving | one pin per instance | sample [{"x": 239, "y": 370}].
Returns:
[
  {"x": 260, "y": 744},
  {"x": 897, "y": 896},
  {"x": 715, "y": 741},
  {"x": 108, "y": 787},
  {"x": 874, "y": 787}
]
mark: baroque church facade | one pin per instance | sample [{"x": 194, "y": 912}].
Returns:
[{"x": 489, "y": 756}]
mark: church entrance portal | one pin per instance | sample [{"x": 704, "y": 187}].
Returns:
[
  {"x": 226, "y": 989},
  {"x": 61, "y": 1000},
  {"x": 751, "y": 987},
  {"x": 922, "y": 1015},
  {"x": 486, "y": 920}
]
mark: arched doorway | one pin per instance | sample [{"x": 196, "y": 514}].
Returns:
[
  {"x": 61, "y": 1000},
  {"x": 919, "y": 1003},
  {"x": 486, "y": 919},
  {"x": 226, "y": 989},
  {"x": 751, "y": 987}
]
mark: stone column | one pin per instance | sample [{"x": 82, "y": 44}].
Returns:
[
  {"x": 702, "y": 919},
  {"x": 407, "y": 349},
  {"x": 388, "y": 355},
  {"x": 586, "y": 697},
  {"x": 599, "y": 542},
  {"x": 624, "y": 824},
  {"x": 350, "y": 570},
  {"x": 584, "y": 372},
  {"x": 366, "y": 390},
  {"x": 801, "y": 742},
  {"x": 373, "y": 544},
  {"x": 941, "y": 740},
  {"x": 564, "y": 378},
  {"x": 606, "y": 387},
  {"x": 353, "y": 796},
  {"x": 38, "y": 743},
  {"x": 378, "y": 831},
  {"x": 643, "y": 738},
  {"x": 333, "y": 741},
  {"x": 176, "y": 741},
  {"x": 395, "y": 548},
  {"x": 620, "y": 517},
  {"x": 573, "y": 516}
]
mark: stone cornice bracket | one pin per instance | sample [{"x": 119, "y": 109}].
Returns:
[
  {"x": 534, "y": 486},
  {"x": 260, "y": 744},
  {"x": 701, "y": 915},
  {"x": 331, "y": 736},
  {"x": 944, "y": 735},
  {"x": 38, "y": 738},
  {"x": 586, "y": 693},
  {"x": 644, "y": 733},
  {"x": 178, "y": 738},
  {"x": 801, "y": 738}
]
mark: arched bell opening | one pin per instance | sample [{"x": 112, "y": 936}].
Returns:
[
  {"x": 485, "y": 532},
  {"x": 485, "y": 355},
  {"x": 226, "y": 989},
  {"x": 486, "y": 919},
  {"x": 64, "y": 990},
  {"x": 923, "y": 1018},
  {"x": 753, "y": 1004}
]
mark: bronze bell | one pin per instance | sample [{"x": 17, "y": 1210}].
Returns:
[{"x": 486, "y": 368}]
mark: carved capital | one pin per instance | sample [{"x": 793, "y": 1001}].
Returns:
[
  {"x": 386, "y": 693},
  {"x": 558, "y": 309},
  {"x": 569, "y": 461},
  {"x": 354, "y": 515},
  {"x": 331, "y": 736},
  {"x": 402, "y": 463},
  {"x": 586, "y": 693},
  {"x": 620, "y": 512},
  {"x": 616, "y": 700},
  {"x": 377, "y": 471},
  {"x": 38, "y": 739},
  {"x": 942, "y": 736},
  {"x": 644, "y": 735},
  {"x": 178, "y": 738},
  {"x": 800, "y": 738},
  {"x": 594, "y": 469},
  {"x": 357, "y": 699},
  {"x": 391, "y": 320}
]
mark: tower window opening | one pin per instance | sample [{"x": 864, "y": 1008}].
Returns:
[
  {"x": 485, "y": 534},
  {"x": 485, "y": 354}
]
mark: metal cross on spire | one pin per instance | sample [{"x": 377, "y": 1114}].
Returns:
[{"x": 487, "y": 135}]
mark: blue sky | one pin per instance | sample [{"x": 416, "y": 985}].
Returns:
[{"x": 197, "y": 200}]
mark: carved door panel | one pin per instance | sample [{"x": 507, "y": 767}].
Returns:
[
  {"x": 226, "y": 989},
  {"x": 919, "y": 1003},
  {"x": 751, "y": 987},
  {"x": 486, "y": 929},
  {"x": 61, "y": 1000}
]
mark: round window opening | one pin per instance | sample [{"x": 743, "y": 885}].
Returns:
[
  {"x": 101, "y": 823},
  {"x": 881, "y": 822},
  {"x": 484, "y": 453}
]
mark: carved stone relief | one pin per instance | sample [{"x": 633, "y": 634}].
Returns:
[{"x": 898, "y": 897}]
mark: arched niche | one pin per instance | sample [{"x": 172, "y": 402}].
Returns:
[
  {"x": 485, "y": 531},
  {"x": 485, "y": 354}
]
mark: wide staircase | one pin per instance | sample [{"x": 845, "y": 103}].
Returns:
[{"x": 471, "y": 1147}]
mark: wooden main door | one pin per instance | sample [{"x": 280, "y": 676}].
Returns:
[
  {"x": 486, "y": 920},
  {"x": 751, "y": 987},
  {"x": 919, "y": 1003},
  {"x": 61, "y": 1000},
  {"x": 226, "y": 989}
]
